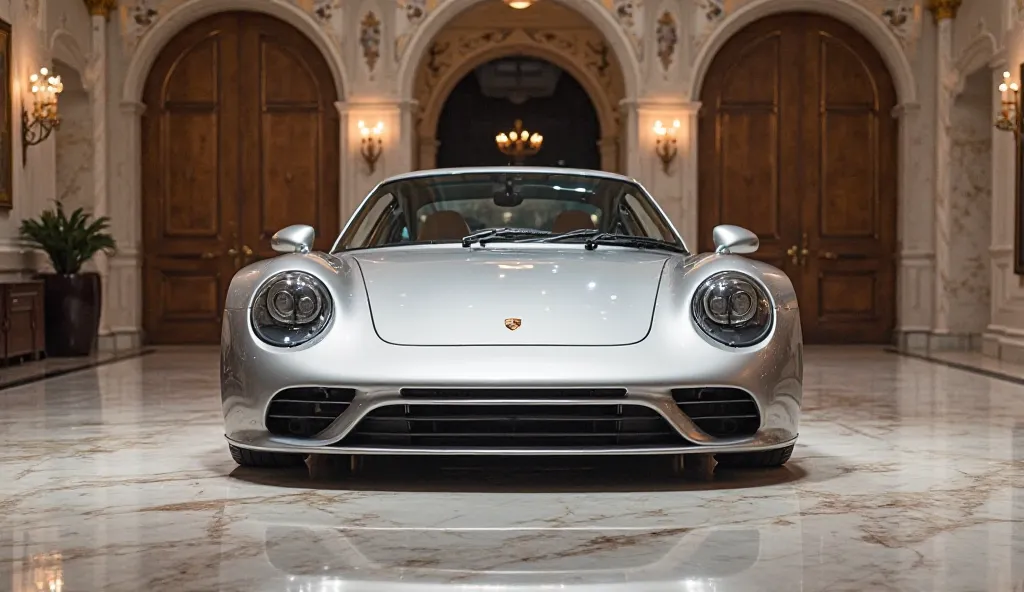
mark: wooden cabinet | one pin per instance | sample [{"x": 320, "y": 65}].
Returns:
[{"x": 22, "y": 329}]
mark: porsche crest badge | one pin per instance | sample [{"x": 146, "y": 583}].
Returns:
[{"x": 513, "y": 323}]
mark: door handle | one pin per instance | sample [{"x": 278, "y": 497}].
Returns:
[
  {"x": 792, "y": 253},
  {"x": 247, "y": 254},
  {"x": 232, "y": 252}
]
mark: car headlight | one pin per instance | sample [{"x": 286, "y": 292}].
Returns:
[
  {"x": 732, "y": 309},
  {"x": 290, "y": 309}
]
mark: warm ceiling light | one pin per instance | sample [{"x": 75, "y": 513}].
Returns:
[{"x": 519, "y": 4}]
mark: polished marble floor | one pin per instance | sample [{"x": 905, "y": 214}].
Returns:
[{"x": 909, "y": 475}]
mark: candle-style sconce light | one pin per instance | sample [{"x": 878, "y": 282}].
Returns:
[
  {"x": 373, "y": 144},
  {"x": 40, "y": 123},
  {"x": 665, "y": 143},
  {"x": 1009, "y": 118}
]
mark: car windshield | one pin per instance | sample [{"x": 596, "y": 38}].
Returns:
[{"x": 449, "y": 207}]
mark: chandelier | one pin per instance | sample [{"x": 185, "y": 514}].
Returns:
[{"x": 519, "y": 143}]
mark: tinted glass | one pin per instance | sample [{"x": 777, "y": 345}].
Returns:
[{"x": 445, "y": 208}]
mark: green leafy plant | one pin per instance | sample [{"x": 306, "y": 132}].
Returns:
[{"x": 69, "y": 241}]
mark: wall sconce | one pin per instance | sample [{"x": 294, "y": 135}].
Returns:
[
  {"x": 665, "y": 145},
  {"x": 38, "y": 125},
  {"x": 1009, "y": 119},
  {"x": 372, "y": 144}
]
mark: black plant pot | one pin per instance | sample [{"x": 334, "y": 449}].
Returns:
[{"x": 72, "y": 305}]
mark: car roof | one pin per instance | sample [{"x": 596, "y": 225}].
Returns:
[{"x": 509, "y": 169}]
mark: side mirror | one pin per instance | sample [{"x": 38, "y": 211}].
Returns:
[
  {"x": 293, "y": 239},
  {"x": 734, "y": 239}
]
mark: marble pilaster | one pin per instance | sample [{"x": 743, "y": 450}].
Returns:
[
  {"x": 123, "y": 298},
  {"x": 356, "y": 178},
  {"x": 943, "y": 184},
  {"x": 96, "y": 75},
  {"x": 676, "y": 189}
]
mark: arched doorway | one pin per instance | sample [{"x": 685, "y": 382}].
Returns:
[
  {"x": 547, "y": 99},
  {"x": 548, "y": 33},
  {"x": 797, "y": 142},
  {"x": 239, "y": 138}
]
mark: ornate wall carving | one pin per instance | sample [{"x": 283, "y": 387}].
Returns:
[
  {"x": 902, "y": 17},
  {"x": 139, "y": 16}
]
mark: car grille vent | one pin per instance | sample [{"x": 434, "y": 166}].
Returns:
[
  {"x": 306, "y": 411},
  {"x": 720, "y": 412},
  {"x": 513, "y": 426},
  {"x": 514, "y": 393}
]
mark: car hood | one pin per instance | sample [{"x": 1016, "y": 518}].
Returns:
[{"x": 503, "y": 295}]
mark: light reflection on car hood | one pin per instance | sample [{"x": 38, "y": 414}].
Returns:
[{"x": 550, "y": 295}]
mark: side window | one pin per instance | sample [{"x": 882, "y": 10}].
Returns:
[
  {"x": 650, "y": 225},
  {"x": 370, "y": 222}
]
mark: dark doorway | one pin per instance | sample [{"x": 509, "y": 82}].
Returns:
[{"x": 546, "y": 98}]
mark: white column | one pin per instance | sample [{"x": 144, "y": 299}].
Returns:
[
  {"x": 916, "y": 266},
  {"x": 123, "y": 301},
  {"x": 674, "y": 189},
  {"x": 97, "y": 82},
  {"x": 943, "y": 181}
]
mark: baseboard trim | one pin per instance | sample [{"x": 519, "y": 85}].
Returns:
[
  {"x": 957, "y": 366},
  {"x": 87, "y": 364}
]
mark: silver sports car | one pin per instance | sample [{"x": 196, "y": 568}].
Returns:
[{"x": 511, "y": 311}]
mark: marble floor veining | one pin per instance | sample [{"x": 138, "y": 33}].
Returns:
[{"x": 908, "y": 475}]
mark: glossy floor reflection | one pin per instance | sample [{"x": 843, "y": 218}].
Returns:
[{"x": 908, "y": 476}]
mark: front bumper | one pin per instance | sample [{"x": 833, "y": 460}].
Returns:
[{"x": 253, "y": 373}]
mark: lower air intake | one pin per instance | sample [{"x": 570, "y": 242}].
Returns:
[
  {"x": 306, "y": 411},
  {"x": 513, "y": 426},
  {"x": 720, "y": 412}
]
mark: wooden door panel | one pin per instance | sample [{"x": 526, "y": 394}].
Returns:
[
  {"x": 292, "y": 177},
  {"x": 849, "y": 156},
  {"x": 850, "y": 200},
  {"x": 796, "y": 143},
  {"x": 191, "y": 174},
  {"x": 190, "y": 182},
  {"x": 747, "y": 163},
  {"x": 240, "y": 139},
  {"x": 750, "y": 182}
]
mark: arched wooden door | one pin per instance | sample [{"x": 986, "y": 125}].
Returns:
[
  {"x": 240, "y": 138},
  {"x": 797, "y": 143}
]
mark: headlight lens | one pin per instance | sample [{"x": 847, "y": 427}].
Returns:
[
  {"x": 290, "y": 309},
  {"x": 732, "y": 309}
]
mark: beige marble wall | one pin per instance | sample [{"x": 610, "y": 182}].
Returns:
[
  {"x": 970, "y": 207},
  {"x": 74, "y": 148}
]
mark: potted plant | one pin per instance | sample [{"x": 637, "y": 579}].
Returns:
[{"x": 72, "y": 298}]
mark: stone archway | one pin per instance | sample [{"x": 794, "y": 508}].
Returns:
[{"x": 566, "y": 39}]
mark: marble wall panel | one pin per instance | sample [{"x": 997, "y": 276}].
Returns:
[
  {"x": 970, "y": 207},
  {"x": 75, "y": 152}
]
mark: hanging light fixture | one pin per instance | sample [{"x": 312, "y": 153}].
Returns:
[{"x": 519, "y": 4}]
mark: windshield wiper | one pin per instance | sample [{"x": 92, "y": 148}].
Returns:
[
  {"x": 489, "y": 234},
  {"x": 596, "y": 237}
]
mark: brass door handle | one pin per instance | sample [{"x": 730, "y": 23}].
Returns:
[
  {"x": 247, "y": 253},
  {"x": 232, "y": 252},
  {"x": 792, "y": 253}
]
